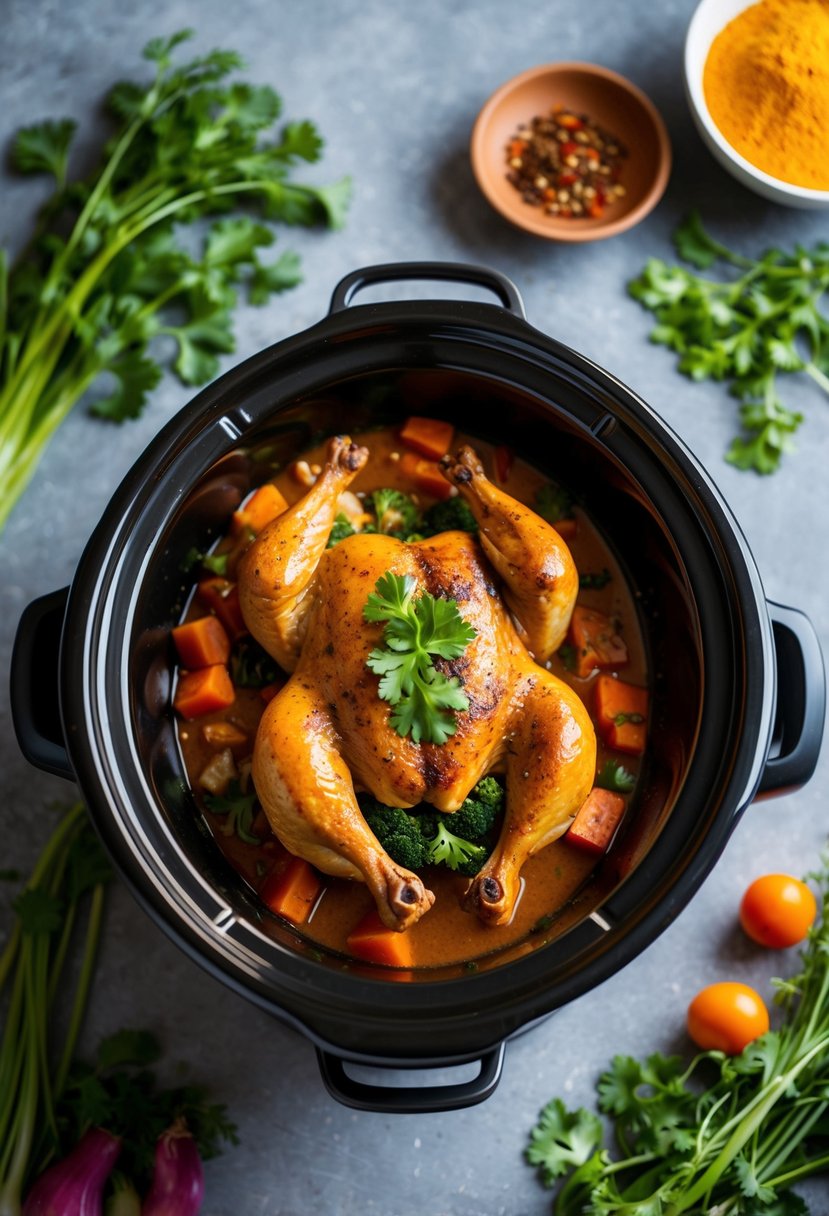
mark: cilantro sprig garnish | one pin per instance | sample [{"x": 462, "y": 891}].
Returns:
[
  {"x": 417, "y": 628},
  {"x": 747, "y": 329},
  {"x": 724, "y": 1134},
  {"x": 105, "y": 273}
]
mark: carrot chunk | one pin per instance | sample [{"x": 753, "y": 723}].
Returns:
[
  {"x": 622, "y": 714},
  {"x": 202, "y": 643},
  {"x": 429, "y": 436},
  {"x": 204, "y": 691},
  {"x": 595, "y": 641},
  {"x": 262, "y": 506},
  {"x": 372, "y": 941},
  {"x": 293, "y": 891},
  {"x": 221, "y": 596},
  {"x": 425, "y": 474},
  {"x": 596, "y": 821}
]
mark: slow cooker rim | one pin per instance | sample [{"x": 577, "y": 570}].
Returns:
[{"x": 495, "y": 322}]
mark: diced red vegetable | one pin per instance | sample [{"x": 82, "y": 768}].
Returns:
[
  {"x": 622, "y": 714},
  {"x": 372, "y": 941},
  {"x": 204, "y": 691},
  {"x": 202, "y": 642},
  {"x": 425, "y": 474},
  {"x": 293, "y": 891},
  {"x": 595, "y": 641},
  {"x": 263, "y": 505},
  {"x": 596, "y": 822},
  {"x": 221, "y": 596},
  {"x": 430, "y": 437}
]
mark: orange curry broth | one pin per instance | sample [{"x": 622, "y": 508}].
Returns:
[{"x": 447, "y": 934}]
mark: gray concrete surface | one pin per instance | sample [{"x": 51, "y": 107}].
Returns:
[{"x": 395, "y": 88}]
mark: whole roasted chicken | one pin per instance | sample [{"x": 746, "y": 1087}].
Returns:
[{"x": 328, "y": 731}]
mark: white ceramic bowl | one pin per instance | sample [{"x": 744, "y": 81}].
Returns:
[{"x": 710, "y": 17}]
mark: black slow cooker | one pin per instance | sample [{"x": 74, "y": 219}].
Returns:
[{"x": 738, "y": 686}]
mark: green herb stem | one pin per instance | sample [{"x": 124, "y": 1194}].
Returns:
[{"x": 93, "y": 934}]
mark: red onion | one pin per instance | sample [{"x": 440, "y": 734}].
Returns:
[
  {"x": 74, "y": 1186},
  {"x": 178, "y": 1181}
]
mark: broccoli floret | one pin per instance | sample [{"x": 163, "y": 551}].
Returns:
[
  {"x": 450, "y": 850},
  {"x": 341, "y": 529},
  {"x": 396, "y": 513},
  {"x": 461, "y": 840},
  {"x": 398, "y": 832},
  {"x": 477, "y": 816},
  {"x": 553, "y": 503},
  {"x": 450, "y": 515}
]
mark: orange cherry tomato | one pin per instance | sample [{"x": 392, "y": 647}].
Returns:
[
  {"x": 727, "y": 1017},
  {"x": 777, "y": 910}
]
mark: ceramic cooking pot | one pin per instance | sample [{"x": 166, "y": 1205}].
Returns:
[{"x": 737, "y": 682}]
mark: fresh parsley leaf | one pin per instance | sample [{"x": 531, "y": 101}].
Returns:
[
  {"x": 562, "y": 1140},
  {"x": 614, "y": 776},
  {"x": 760, "y": 319},
  {"x": 136, "y": 1048},
  {"x": 240, "y": 809},
  {"x": 424, "y": 700},
  {"x": 44, "y": 148},
  {"x": 453, "y": 851}
]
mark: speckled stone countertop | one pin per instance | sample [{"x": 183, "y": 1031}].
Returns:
[{"x": 395, "y": 89}]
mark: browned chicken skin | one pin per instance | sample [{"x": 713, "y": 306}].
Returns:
[{"x": 328, "y": 729}]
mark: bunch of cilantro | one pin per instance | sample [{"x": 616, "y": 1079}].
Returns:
[
  {"x": 723, "y": 1135},
  {"x": 747, "y": 328},
  {"x": 105, "y": 272}
]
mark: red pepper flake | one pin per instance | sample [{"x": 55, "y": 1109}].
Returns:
[{"x": 565, "y": 163}]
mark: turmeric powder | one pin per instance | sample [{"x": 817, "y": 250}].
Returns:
[{"x": 766, "y": 83}]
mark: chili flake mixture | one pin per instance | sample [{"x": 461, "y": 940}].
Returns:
[{"x": 566, "y": 164}]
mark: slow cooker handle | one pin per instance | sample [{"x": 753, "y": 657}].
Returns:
[
  {"x": 801, "y": 702},
  {"x": 414, "y": 1100},
  {"x": 453, "y": 272},
  {"x": 34, "y": 692}
]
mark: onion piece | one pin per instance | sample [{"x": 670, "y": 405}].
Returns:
[
  {"x": 178, "y": 1180},
  {"x": 74, "y": 1186}
]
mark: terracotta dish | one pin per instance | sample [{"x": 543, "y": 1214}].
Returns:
[{"x": 609, "y": 100}]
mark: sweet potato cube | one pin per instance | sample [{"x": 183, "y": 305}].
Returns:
[
  {"x": 430, "y": 437},
  {"x": 426, "y": 475},
  {"x": 204, "y": 691},
  {"x": 202, "y": 643},
  {"x": 293, "y": 891},
  {"x": 263, "y": 505},
  {"x": 372, "y": 941},
  {"x": 596, "y": 822},
  {"x": 622, "y": 714}
]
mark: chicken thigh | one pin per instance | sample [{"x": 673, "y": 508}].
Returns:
[{"x": 328, "y": 730}]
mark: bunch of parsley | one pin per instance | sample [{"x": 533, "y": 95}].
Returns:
[
  {"x": 725, "y": 1135},
  {"x": 747, "y": 328},
  {"x": 105, "y": 273}
]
